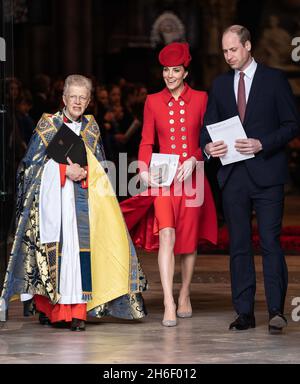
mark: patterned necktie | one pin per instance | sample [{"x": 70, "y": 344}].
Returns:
[{"x": 241, "y": 97}]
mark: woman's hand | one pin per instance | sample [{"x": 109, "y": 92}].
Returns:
[
  {"x": 150, "y": 179},
  {"x": 186, "y": 169},
  {"x": 74, "y": 171}
]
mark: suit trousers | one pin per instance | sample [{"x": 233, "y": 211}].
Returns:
[{"x": 241, "y": 195}]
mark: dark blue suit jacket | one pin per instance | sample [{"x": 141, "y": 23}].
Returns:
[{"x": 271, "y": 116}]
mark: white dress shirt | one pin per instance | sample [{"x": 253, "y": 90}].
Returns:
[{"x": 75, "y": 127}]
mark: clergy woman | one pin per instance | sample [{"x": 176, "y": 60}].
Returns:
[{"x": 71, "y": 254}]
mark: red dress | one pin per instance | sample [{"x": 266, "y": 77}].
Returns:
[{"x": 175, "y": 125}]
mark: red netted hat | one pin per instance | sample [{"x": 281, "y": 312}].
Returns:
[{"x": 175, "y": 54}]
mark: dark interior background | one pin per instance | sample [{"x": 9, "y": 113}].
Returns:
[{"x": 114, "y": 39}]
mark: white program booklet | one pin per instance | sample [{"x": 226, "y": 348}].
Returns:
[
  {"x": 166, "y": 166},
  {"x": 229, "y": 131}
]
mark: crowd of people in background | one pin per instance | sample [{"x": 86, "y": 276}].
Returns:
[{"x": 117, "y": 108}]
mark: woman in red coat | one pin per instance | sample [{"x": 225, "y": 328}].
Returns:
[{"x": 173, "y": 118}]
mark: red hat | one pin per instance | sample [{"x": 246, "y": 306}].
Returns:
[{"x": 175, "y": 54}]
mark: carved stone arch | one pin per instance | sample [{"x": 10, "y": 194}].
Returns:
[{"x": 167, "y": 28}]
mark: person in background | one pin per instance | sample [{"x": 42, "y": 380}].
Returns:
[
  {"x": 41, "y": 93},
  {"x": 24, "y": 121}
]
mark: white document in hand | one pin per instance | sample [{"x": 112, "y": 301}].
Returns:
[
  {"x": 166, "y": 165},
  {"x": 229, "y": 131}
]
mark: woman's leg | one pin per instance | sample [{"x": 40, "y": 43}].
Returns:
[
  {"x": 166, "y": 263},
  {"x": 187, "y": 269}
]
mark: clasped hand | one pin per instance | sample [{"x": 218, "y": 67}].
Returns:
[
  {"x": 74, "y": 171},
  {"x": 150, "y": 179}
]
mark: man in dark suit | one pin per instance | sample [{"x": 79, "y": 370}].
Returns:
[{"x": 262, "y": 98}]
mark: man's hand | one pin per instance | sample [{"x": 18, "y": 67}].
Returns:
[
  {"x": 150, "y": 180},
  {"x": 186, "y": 169},
  {"x": 74, "y": 171},
  {"x": 216, "y": 149},
  {"x": 248, "y": 146}
]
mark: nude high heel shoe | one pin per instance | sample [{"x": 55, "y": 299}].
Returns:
[
  {"x": 170, "y": 323},
  {"x": 184, "y": 315}
]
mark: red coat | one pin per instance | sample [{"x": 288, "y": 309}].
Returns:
[{"x": 175, "y": 125}]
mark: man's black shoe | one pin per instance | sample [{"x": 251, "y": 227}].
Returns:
[
  {"x": 61, "y": 324},
  {"x": 77, "y": 325},
  {"x": 43, "y": 319},
  {"x": 277, "y": 323},
  {"x": 243, "y": 322},
  {"x": 28, "y": 308}
]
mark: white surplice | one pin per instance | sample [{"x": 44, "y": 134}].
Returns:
[{"x": 57, "y": 208}]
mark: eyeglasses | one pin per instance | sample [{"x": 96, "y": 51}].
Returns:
[{"x": 75, "y": 98}]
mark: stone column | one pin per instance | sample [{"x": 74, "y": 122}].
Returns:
[
  {"x": 73, "y": 32},
  {"x": 217, "y": 15}
]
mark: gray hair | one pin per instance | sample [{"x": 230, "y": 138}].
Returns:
[
  {"x": 242, "y": 32},
  {"x": 78, "y": 80}
]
